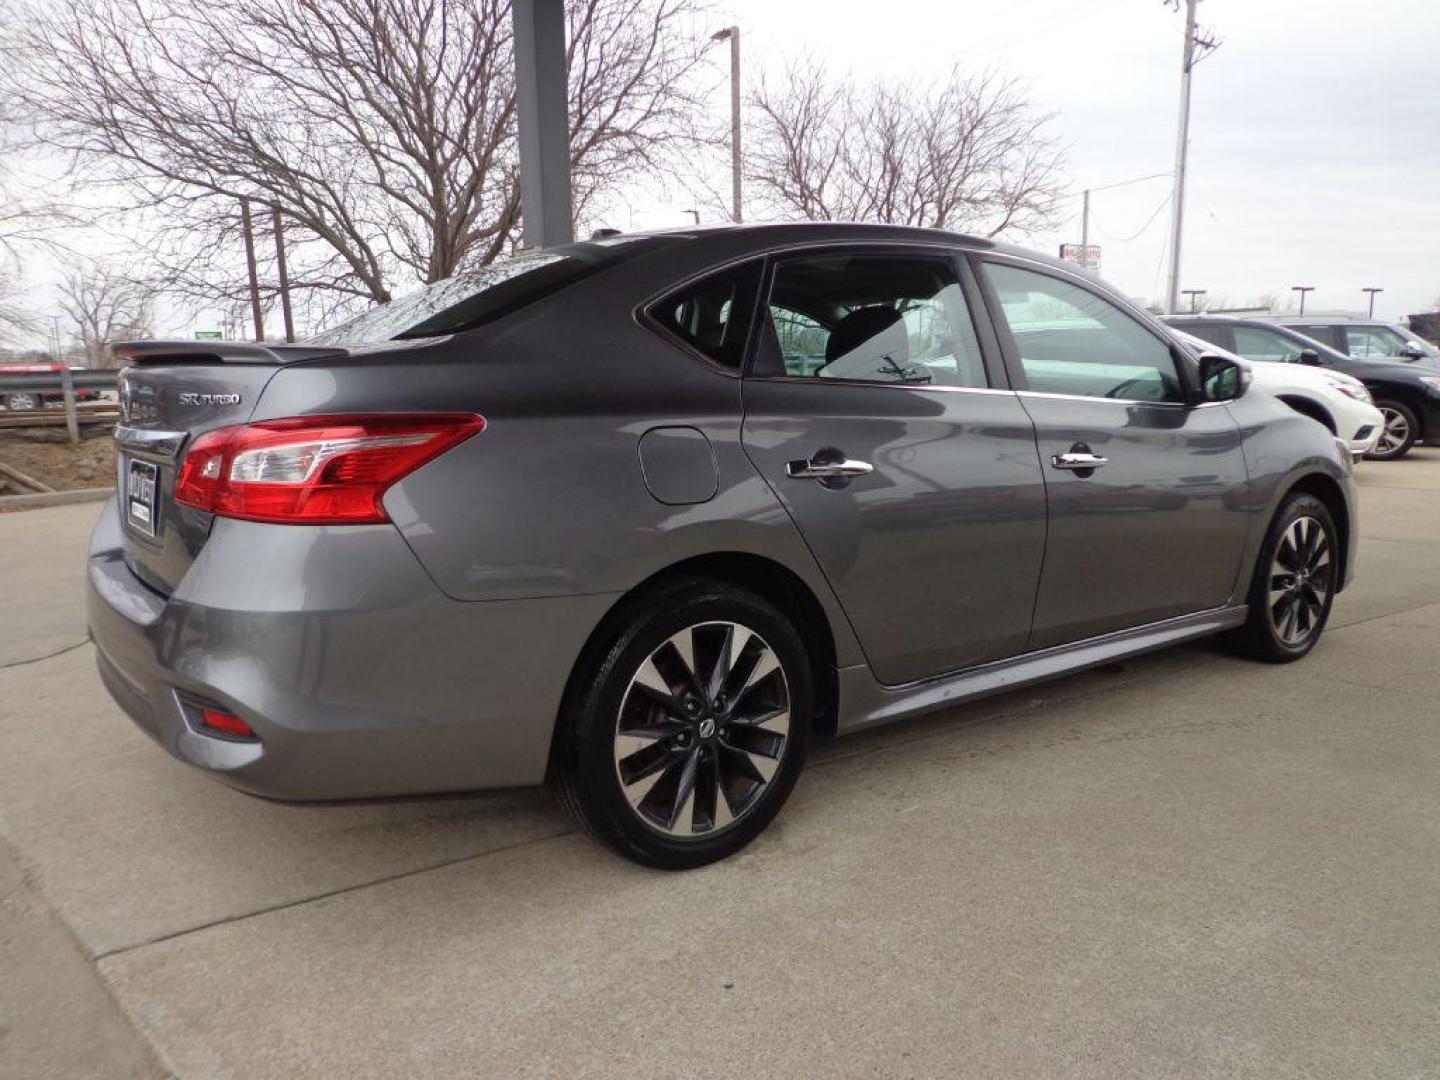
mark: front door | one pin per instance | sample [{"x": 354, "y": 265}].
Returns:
[
  {"x": 911, "y": 474},
  {"x": 1146, "y": 490}
]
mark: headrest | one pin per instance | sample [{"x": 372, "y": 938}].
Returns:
[{"x": 879, "y": 326}]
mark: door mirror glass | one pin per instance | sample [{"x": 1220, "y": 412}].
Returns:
[
  {"x": 1222, "y": 379},
  {"x": 1309, "y": 356},
  {"x": 1413, "y": 351}
]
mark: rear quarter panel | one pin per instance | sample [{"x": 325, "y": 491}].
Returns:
[{"x": 551, "y": 499}]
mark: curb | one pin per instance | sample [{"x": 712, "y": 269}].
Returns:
[{"x": 54, "y": 498}]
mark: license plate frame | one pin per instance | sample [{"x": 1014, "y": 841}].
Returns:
[{"x": 142, "y": 486}]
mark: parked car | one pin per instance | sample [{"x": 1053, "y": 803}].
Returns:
[
  {"x": 25, "y": 400},
  {"x": 1338, "y": 401},
  {"x": 1408, "y": 397},
  {"x": 1367, "y": 339},
  {"x": 594, "y": 515}
]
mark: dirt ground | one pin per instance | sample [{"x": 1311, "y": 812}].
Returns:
[{"x": 48, "y": 457}]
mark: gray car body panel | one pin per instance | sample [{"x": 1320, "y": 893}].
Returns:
[{"x": 432, "y": 654}]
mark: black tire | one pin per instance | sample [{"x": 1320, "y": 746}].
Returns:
[
  {"x": 1399, "y": 434},
  {"x": 1305, "y": 587},
  {"x": 607, "y": 699}
]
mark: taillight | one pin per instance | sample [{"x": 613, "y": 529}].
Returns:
[
  {"x": 314, "y": 470},
  {"x": 225, "y": 724}
]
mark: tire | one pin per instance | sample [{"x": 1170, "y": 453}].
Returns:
[
  {"x": 1398, "y": 435},
  {"x": 1293, "y": 587},
  {"x": 22, "y": 402},
  {"x": 641, "y": 709}
]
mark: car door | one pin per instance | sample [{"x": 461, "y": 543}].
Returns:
[
  {"x": 1146, "y": 490},
  {"x": 887, "y": 431}
]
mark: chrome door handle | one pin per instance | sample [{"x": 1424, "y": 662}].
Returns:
[
  {"x": 1077, "y": 462},
  {"x": 813, "y": 469}
]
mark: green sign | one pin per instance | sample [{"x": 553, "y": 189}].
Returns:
[{"x": 208, "y": 335}]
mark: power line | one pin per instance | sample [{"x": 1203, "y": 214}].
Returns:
[{"x": 1148, "y": 222}]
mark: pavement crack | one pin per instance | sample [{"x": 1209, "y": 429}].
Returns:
[
  {"x": 329, "y": 894},
  {"x": 48, "y": 656}
]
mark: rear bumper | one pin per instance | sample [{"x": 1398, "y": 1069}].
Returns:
[{"x": 358, "y": 675}]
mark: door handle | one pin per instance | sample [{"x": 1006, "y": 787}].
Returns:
[
  {"x": 1078, "y": 462},
  {"x": 824, "y": 469}
]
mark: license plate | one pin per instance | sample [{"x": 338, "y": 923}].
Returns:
[{"x": 142, "y": 480}]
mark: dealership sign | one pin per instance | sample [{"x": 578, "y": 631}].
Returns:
[{"x": 1087, "y": 255}]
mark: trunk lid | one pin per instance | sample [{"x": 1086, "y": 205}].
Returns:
[{"x": 171, "y": 392}]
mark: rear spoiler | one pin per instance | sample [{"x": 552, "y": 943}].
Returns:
[{"x": 221, "y": 352}]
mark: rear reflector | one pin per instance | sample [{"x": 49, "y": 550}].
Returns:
[
  {"x": 314, "y": 470},
  {"x": 225, "y": 724}
]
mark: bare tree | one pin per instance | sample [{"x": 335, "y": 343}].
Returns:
[
  {"x": 103, "y": 306},
  {"x": 968, "y": 153},
  {"x": 383, "y": 130}
]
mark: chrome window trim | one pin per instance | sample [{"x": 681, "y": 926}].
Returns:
[{"x": 811, "y": 380}]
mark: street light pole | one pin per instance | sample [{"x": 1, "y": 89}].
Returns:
[
  {"x": 1194, "y": 294},
  {"x": 732, "y": 35},
  {"x": 1372, "y": 291},
  {"x": 1302, "y": 290}
]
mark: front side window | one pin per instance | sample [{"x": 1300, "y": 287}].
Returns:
[
  {"x": 1373, "y": 341},
  {"x": 1253, "y": 343},
  {"x": 1072, "y": 341},
  {"x": 871, "y": 318}
]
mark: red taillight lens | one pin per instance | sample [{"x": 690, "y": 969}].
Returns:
[
  {"x": 314, "y": 470},
  {"x": 225, "y": 724}
]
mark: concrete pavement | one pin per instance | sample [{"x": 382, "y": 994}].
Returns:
[{"x": 1185, "y": 865}]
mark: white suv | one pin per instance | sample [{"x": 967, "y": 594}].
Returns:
[{"x": 1337, "y": 400}]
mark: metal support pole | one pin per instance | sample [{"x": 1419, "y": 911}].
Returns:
[
  {"x": 1085, "y": 227},
  {"x": 250, "y": 265},
  {"x": 1302, "y": 290},
  {"x": 279, "y": 228},
  {"x": 1372, "y": 291},
  {"x": 1182, "y": 145},
  {"x": 735, "y": 154},
  {"x": 542, "y": 113},
  {"x": 67, "y": 389}
]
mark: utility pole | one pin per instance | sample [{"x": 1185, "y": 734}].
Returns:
[
  {"x": 279, "y": 229},
  {"x": 1196, "y": 47},
  {"x": 1302, "y": 290},
  {"x": 1372, "y": 291},
  {"x": 1194, "y": 295},
  {"x": 1085, "y": 226},
  {"x": 732, "y": 35},
  {"x": 250, "y": 266}
]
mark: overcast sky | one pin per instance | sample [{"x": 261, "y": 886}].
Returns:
[
  {"x": 1315, "y": 131},
  {"x": 1314, "y": 137}
]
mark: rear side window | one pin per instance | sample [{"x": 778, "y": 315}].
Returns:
[
  {"x": 870, "y": 318},
  {"x": 712, "y": 315}
]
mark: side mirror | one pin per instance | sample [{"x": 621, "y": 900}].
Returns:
[
  {"x": 1222, "y": 379},
  {"x": 1413, "y": 351},
  {"x": 1310, "y": 357}
]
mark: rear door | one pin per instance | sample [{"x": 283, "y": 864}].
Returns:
[
  {"x": 881, "y": 418},
  {"x": 1146, "y": 491}
]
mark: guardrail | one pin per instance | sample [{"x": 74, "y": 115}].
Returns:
[{"x": 63, "y": 382}]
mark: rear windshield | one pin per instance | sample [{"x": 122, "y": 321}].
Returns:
[{"x": 478, "y": 296}]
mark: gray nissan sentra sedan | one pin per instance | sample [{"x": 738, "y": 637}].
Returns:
[{"x": 638, "y": 516}]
